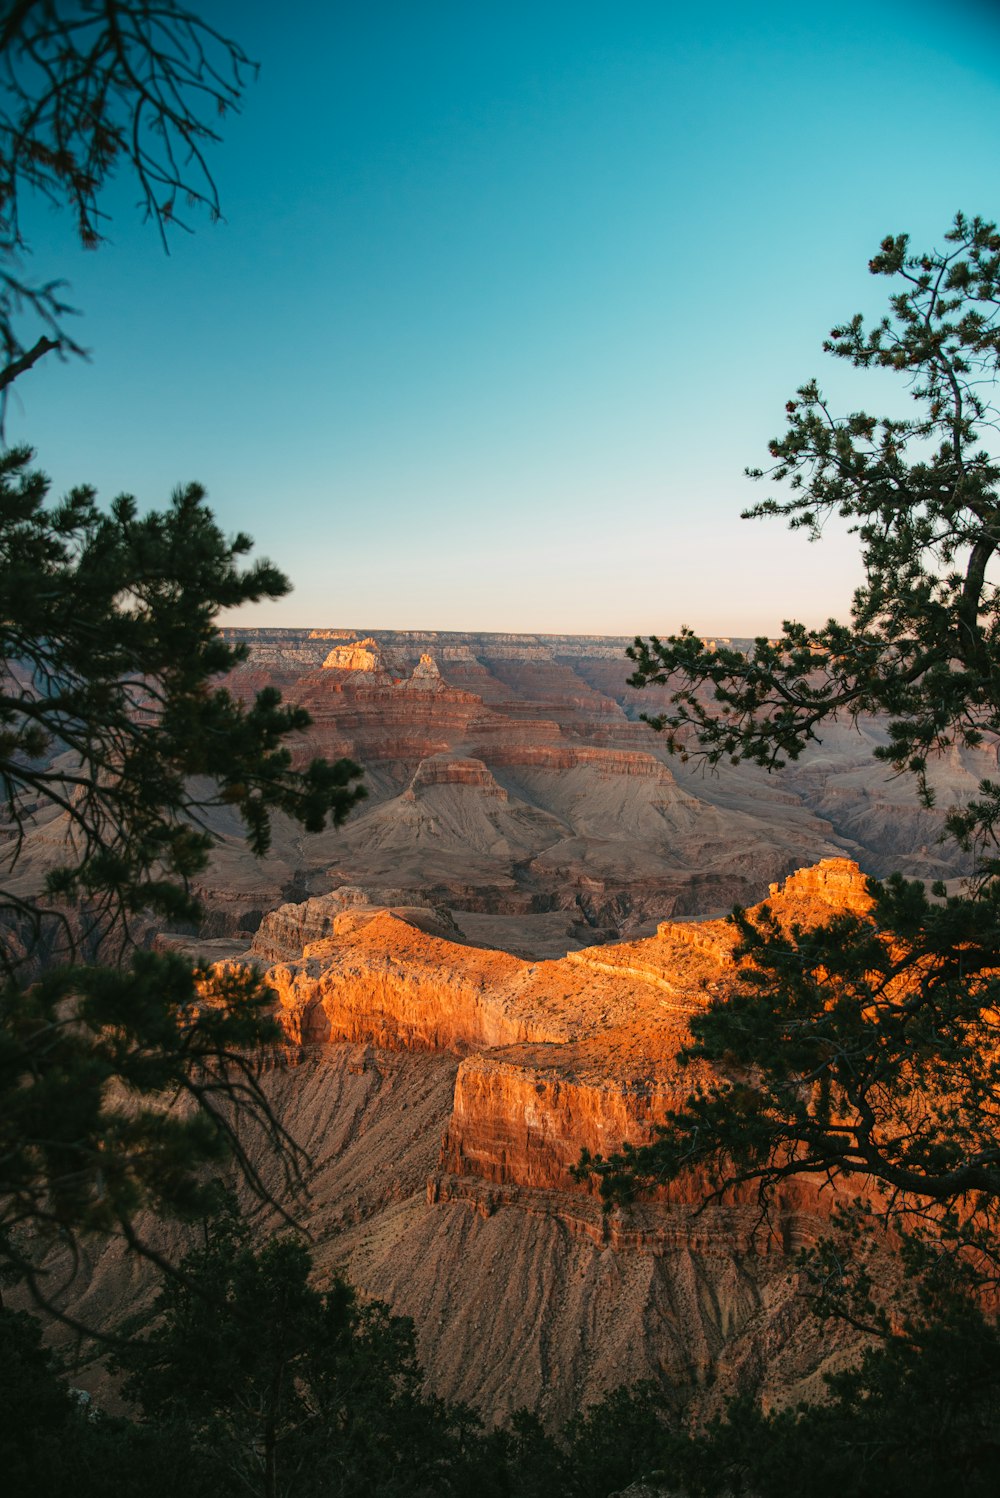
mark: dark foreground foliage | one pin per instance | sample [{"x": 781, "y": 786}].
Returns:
[
  {"x": 120, "y": 749},
  {"x": 251, "y": 1381},
  {"x": 90, "y": 91},
  {"x": 299, "y": 1392},
  {"x": 119, "y": 744},
  {"x": 868, "y": 1050},
  {"x": 920, "y": 1417}
]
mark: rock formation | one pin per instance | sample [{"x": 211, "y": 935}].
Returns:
[
  {"x": 356, "y": 655},
  {"x": 559, "y": 1056},
  {"x": 487, "y": 970},
  {"x": 445, "y": 1090},
  {"x": 509, "y": 777}
]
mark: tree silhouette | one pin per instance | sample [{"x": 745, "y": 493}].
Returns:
[
  {"x": 867, "y": 1050},
  {"x": 90, "y": 89}
]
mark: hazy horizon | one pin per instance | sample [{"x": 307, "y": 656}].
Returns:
[{"x": 418, "y": 631}]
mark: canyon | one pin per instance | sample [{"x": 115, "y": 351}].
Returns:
[
  {"x": 493, "y": 966},
  {"x": 512, "y": 781},
  {"x": 444, "y": 1091}
]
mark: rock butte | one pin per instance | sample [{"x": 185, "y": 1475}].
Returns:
[
  {"x": 445, "y": 1090},
  {"x": 557, "y": 1056}
]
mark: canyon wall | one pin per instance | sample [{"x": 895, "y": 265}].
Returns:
[
  {"x": 557, "y": 1056},
  {"x": 490, "y": 968},
  {"x": 510, "y": 776},
  {"x": 445, "y": 1091}
]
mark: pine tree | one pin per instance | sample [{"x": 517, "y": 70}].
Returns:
[{"x": 867, "y": 1051}]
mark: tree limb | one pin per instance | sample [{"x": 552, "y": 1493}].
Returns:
[{"x": 31, "y": 357}]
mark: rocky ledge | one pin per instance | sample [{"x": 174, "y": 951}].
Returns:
[{"x": 557, "y": 1056}]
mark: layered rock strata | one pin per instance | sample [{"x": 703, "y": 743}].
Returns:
[
  {"x": 577, "y": 806},
  {"x": 445, "y": 1091},
  {"x": 558, "y": 1056}
]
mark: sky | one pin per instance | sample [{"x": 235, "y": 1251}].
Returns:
[{"x": 507, "y": 296}]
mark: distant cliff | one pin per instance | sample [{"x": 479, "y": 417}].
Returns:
[{"x": 577, "y": 808}]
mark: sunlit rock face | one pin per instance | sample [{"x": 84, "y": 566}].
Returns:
[
  {"x": 359, "y": 655},
  {"x": 559, "y": 1056},
  {"x": 287, "y": 931},
  {"x": 426, "y": 676},
  {"x": 488, "y": 969},
  {"x": 447, "y": 1089},
  {"x": 443, "y": 1089}
]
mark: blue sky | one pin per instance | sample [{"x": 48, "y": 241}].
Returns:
[{"x": 508, "y": 295}]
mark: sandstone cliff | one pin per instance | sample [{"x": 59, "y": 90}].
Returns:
[
  {"x": 559, "y": 1055},
  {"x": 445, "y": 1091}
]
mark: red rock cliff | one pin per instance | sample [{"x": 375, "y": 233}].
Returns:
[{"x": 559, "y": 1056}]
